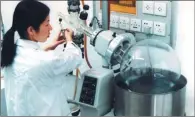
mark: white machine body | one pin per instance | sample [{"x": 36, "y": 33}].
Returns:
[
  {"x": 102, "y": 42},
  {"x": 95, "y": 92}
]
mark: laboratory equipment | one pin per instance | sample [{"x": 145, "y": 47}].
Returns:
[
  {"x": 149, "y": 73},
  {"x": 151, "y": 58},
  {"x": 111, "y": 47},
  {"x": 95, "y": 92},
  {"x": 107, "y": 43},
  {"x": 73, "y": 6},
  {"x": 132, "y": 103},
  {"x": 150, "y": 82},
  {"x": 77, "y": 17}
]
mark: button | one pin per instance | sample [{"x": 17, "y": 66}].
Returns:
[
  {"x": 91, "y": 94},
  {"x": 114, "y": 35}
]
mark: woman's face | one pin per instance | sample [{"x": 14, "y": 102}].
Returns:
[{"x": 44, "y": 31}]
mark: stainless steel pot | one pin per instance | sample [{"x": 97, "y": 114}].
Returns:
[{"x": 132, "y": 103}]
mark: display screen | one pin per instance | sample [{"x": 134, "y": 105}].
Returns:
[
  {"x": 88, "y": 90},
  {"x": 123, "y": 6}
]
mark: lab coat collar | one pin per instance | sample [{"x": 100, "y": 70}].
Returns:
[{"x": 27, "y": 44}]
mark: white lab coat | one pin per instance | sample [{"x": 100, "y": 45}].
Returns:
[{"x": 35, "y": 82}]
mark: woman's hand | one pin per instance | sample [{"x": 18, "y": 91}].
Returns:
[
  {"x": 55, "y": 42},
  {"x": 60, "y": 39}
]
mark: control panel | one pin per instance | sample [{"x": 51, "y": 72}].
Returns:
[
  {"x": 88, "y": 90},
  {"x": 151, "y": 19},
  {"x": 95, "y": 92}
]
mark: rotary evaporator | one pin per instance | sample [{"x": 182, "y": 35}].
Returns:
[{"x": 149, "y": 81}]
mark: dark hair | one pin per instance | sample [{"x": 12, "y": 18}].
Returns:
[{"x": 27, "y": 13}]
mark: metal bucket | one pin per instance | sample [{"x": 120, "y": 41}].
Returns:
[{"x": 131, "y": 103}]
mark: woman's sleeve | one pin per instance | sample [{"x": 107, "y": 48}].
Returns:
[{"x": 68, "y": 60}]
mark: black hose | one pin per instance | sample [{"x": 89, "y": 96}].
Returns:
[{"x": 98, "y": 22}]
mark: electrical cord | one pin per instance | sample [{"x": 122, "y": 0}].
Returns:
[{"x": 98, "y": 22}]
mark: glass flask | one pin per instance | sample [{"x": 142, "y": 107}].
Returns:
[{"x": 150, "y": 66}]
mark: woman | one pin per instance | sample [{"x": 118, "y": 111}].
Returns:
[{"x": 34, "y": 78}]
